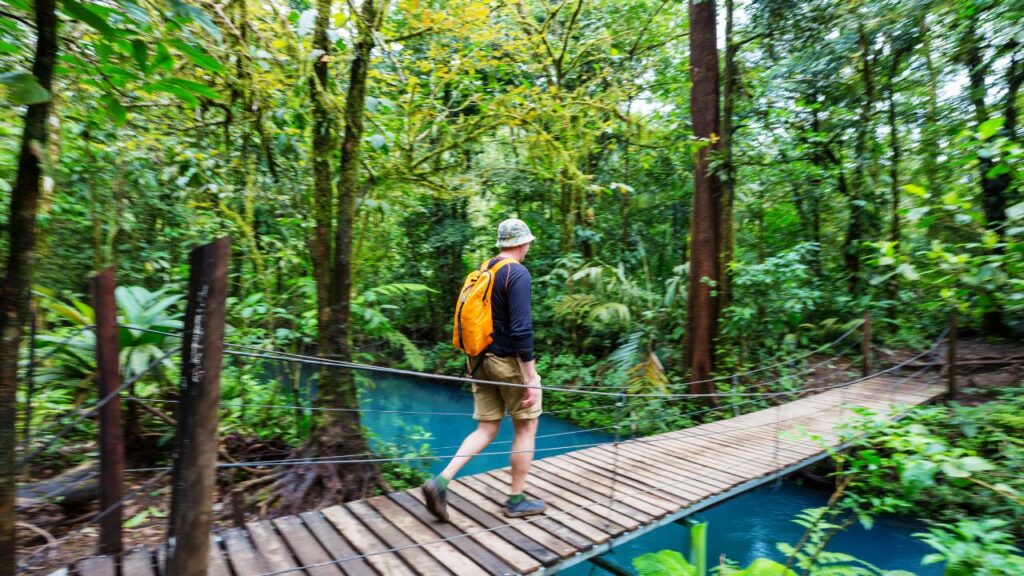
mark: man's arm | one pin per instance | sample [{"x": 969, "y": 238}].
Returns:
[{"x": 533, "y": 390}]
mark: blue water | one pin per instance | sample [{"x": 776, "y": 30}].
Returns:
[
  {"x": 448, "y": 431},
  {"x": 749, "y": 526},
  {"x": 743, "y": 528}
]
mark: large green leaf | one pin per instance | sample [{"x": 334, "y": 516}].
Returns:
[
  {"x": 198, "y": 56},
  {"x": 82, "y": 13},
  {"x": 194, "y": 87},
  {"x": 765, "y": 567},
  {"x": 663, "y": 563},
  {"x": 24, "y": 89}
]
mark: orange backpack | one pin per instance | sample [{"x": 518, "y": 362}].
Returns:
[{"x": 474, "y": 326}]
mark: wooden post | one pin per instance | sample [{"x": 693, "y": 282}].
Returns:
[
  {"x": 198, "y": 410},
  {"x": 952, "y": 389},
  {"x": 238, "y": 508},
  {"x": 865, "y": 345},
  {"x": 108, "y": 371}
]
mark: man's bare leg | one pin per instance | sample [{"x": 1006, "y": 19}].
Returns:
[
  {"x": 522, "y": 453},
  {"x": 486, "y": 431}
]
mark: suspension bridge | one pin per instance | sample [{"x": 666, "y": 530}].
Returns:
[{"x": 599, "y": 495}]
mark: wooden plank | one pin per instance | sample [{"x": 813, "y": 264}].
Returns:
[
  {"x": 625, "y": 486},
  {"x": 138, "y": 562},
  {"x": 566, "y": 472},
  {"x": 523, "y": 542},
  {"x": 217, "y": 565},
  {"x": 490, "y": 563},
  {"x": 495, "y": 489},
  {"x": 520, "y": 560},
  {"x": 581, "y": 520},
  {"x": 305, "y": 547},
  {"x": 416, "y": 557},
  {"x": 710, "y": 476},
  {"x": 735, "y": 453},
  {"x": 596, "y": 508},
  {"x": 365, "y": 543},
  {"x": 97, "y": 566},
  {"x": 689, "y": 486},
  {"x": 270, "y": 545},
  {"x": 754, "y": 463},
  {"x": 444, "y": 552},
  {"x": 527, "y": 526},
  {"x": 336, "y": 546},
  {"x": 242, "y": 556}
]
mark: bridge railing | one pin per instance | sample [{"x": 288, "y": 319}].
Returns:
[{"x": 202, "y": 350}]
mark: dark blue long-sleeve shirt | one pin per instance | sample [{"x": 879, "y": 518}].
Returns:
[{"x": 510, "y": 310}]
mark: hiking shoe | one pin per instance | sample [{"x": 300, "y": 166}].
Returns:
[
  {"x": 524, "y": 508},
  {"x": 436, "y": 496}
]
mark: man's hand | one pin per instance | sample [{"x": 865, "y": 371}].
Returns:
[{"x": 532, "y": 393}]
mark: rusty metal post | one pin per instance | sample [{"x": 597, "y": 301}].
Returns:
[
  {"x": 196, "y": 459},
  {"x": 108, "y": 371},
  {"x": 952, "y": 389},
  {"x": 865, "y": 345}
]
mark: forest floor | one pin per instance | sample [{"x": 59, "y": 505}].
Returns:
[{"x": 55, "y": 537}]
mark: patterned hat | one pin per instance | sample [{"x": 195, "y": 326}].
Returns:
[{"x": 513, "y": 232}]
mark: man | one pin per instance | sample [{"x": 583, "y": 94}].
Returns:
[{"x": 508, "y": 359}]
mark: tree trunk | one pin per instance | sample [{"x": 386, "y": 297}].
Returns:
[
  {"x": 335, "y": 432},
  {"x": 323, "y": 188},
  {"x": 930, "y": 132},
  {"x": 16, "y": 283},
  {"x": 858, "y": 201},
  {"x": 565, "y": 206},
  {"x": 892, "y": 286},
  {"x": 994, "y": 188},
  {"x": 729, "y": 169},
  {"x": 342, "y": 431},
  {"x": 703, "y": 303}
]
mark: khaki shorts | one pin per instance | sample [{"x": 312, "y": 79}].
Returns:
[{"x": 492, "y": 402}]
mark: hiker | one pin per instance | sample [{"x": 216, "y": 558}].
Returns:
[{"x": 504, "y": 355}]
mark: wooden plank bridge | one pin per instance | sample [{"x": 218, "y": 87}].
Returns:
[{"x": 597, "y": 497}]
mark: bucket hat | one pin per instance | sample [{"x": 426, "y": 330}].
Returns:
[{"x": 513, "y": 232}]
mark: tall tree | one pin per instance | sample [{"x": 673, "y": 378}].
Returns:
[
  {"x": 995, "y": 185},
  {"x": 337, "y": 432},
  {"x": 703, "y": 302},
  {"x": 731, "y": 81},
  {"x": 343, "y": 431},
  {"x": 17, "y": 279}
]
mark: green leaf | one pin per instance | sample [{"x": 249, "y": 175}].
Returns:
[
  {"x": 163, "y": 86},
  {"x": 82, "y": 13},
  {"x": 1015, "y": 212},
  {"x": 163, "y": 59},
  {"x": 23, "y": 89},
  {"x": 663, "y": 563},
  {"x": 699, "y": 549},
  {"x": 198, "y": 56},
  {"x": 765, "y": 567},
  {"x": 183, "y": 9},
  {"x": 915, "y": 190},
  {"x": 8, "y": 48},
  {"x": 137, "y": 520},
  {"x": 953, "y": 471},
  {"x": 115, "y": 110},
  {"x": 194, "y": 87},
  {"x": 990, "y": 152},
  {"x": 140, "y": 51},
  {"x": 975, "y": 464},
  {"x": 988, "y": 128}
]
